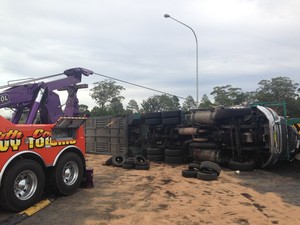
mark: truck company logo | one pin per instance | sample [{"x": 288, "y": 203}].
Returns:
[
  {"x": 11, "y": 139},
  {"x": 4, "y": 99},
  {"x": 40, "y": 138}
]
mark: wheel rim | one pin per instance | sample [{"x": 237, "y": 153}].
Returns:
[
  {"x": 70, "y": 173},
  {"x": 25, "y": 185}
]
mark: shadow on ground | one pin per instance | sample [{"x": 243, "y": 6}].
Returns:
[{"x": 283, "y": 180}]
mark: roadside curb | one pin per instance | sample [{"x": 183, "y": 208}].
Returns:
[{"x": 19, "y": 217}]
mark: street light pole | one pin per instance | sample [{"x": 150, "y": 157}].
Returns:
[{"x": 168, "y": 16}]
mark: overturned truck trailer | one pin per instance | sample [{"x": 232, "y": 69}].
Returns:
[{"x": 240, "y": 138}]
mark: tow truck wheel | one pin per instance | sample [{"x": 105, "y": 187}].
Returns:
[
  {"x": 22, "y": 185},
  {"x": 67, "y": 174}
]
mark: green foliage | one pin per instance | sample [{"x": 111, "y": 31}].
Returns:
[
  {"x": 97, "y": 111},
  {"x": 188, "y": 104},
  {"x": 205, "y": 102},
  {"x": 228, "y": 95},
  {"x": 132, "y": 107},
  {"x": 115, "y": 107},
  {"x": 277, "y": 89},
  {"x": 280, "y": 89},
  {"x": 107, "y": 95},
  {"x": 105, "y": 92},
  {"x": 158, "y": 103}
]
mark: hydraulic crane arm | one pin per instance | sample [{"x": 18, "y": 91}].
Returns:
[{"x": 40, "y": 96}]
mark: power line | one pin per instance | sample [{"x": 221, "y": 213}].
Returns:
[{"x": 137, "y": 85}]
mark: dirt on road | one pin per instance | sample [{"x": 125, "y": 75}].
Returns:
[{"x": 162, "y": 196}]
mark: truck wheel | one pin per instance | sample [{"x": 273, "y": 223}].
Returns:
[
  {"x": 242, "y": 166},
  {"x": 22, "y": 185},
  {"x": 67, "y": 174}
]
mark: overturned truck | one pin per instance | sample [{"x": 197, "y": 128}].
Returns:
[{"x": 240, "y": 138}]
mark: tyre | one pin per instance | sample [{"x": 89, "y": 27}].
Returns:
[
  {"x": 189, "y": 173},
  {"x": 108, "y": 162},
  {"x": 118, "y": 160},
  {"x": 129, "y": 161},
  {"x": 243, "y": 166},
  {"x": 128, "y": 166},
  {"x": 208, "y": 165},
  {"x": 140, "y": 160},
  {"x": 154, "y": 151},
  {"x": 173, "y": 160},
  {"x": 173, "y": 152},
  {"x": 67, "y": 174},
  {"x": 22, "y": 185},
  {"x": 154, "y": 121},
  {"x": 142, "y": 167},
  {"x": 155, "y": 158},
  {"x": 194, "y": 166},
  {"x": 169, "y": 121},
  {"x": 207, "y": 175}
]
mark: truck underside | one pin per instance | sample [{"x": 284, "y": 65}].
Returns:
[{"x": 240, "y": 138}]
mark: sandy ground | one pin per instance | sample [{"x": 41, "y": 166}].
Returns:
[{"x": 162, "y": 196}]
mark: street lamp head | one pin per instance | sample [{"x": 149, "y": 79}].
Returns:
[{"x": 167, "y": 16}]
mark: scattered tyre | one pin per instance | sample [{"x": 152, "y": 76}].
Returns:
[
  {"x": 67, "y": 174},
  {"x": 207, "y": 175},
  {"x": 128, "y": 166},
  {"x": 140, "y": 160},
  {"x": 22, "y": 185},
  {"x": 129, "y": 161},
  {"x": 118, "y": 160},
  {"x": 189, "y": 173},
  {"x": 208, "y": 165},
  {"x": 108, "y": 162},
  {"x": 242, "y": 166},
  {"x": 142, "y": 167},
  {"x": 194, "y": 166}
]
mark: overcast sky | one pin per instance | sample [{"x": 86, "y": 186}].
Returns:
[{"x": 241, "y": 42}]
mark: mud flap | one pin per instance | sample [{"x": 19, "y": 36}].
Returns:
[{"x": 87, "y": 180}]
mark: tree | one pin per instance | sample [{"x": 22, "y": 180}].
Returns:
[
  {"x": 277, "y": 89},
  {"x": 132, "y": 107},
  {"x": 97, "y": 111},
  {"x": 188, "y": 104},
  {"x": 105, "y": 91},
  {"x": 228, "y": 95},
  {"x": 169, "y": 102},
  {"x": 158, "y": 103},
  {"x": 205, "y": 102},
  {"x": 115, "y": 107},
  {"x": 280, "y": 89}
]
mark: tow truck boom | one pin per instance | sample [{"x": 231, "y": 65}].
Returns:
[{"x": 41, "y": 97}]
